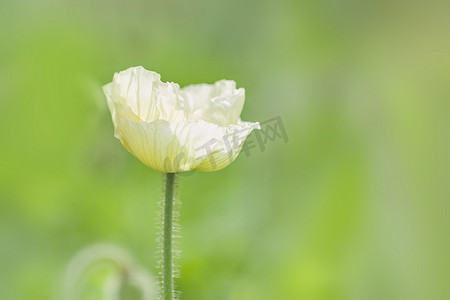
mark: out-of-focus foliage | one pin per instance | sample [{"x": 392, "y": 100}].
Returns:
[{"x": 354, "y": 206}]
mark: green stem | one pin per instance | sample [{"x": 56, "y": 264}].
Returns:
[{"x": 167, "y": 278}]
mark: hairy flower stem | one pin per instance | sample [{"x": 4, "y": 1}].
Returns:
[{"x": 167, "y": 267}]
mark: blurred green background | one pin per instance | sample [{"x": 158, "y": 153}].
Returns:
[{"x": 354, "y": 206}]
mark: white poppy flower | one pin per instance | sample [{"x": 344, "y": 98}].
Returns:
[{"x": 169, "y": 129}]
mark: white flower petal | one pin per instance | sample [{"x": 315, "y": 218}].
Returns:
[
  {"x": 219, "y": 103},
  {"x": 118, "y": 109},
  {"x": 197, "y": 94},
  {"x": 148, "y": 97},
  {"x": 168, "y": 147},
  {"x": 228, "y": 147}
]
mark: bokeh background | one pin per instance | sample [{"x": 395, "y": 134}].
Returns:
[{"x": 354, "y": 206}]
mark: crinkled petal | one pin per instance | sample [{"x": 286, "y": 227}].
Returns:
[
  {"x": 118, "y": 109},
  {"x": 219, "y": 103},
  {"x": 148, "y": 97},
  {"x": 228, "y": 147},
  {"x": 197, "y": 94},
  {"x": 168, "y": 147},
  {"x": 222, "y": 111}
]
